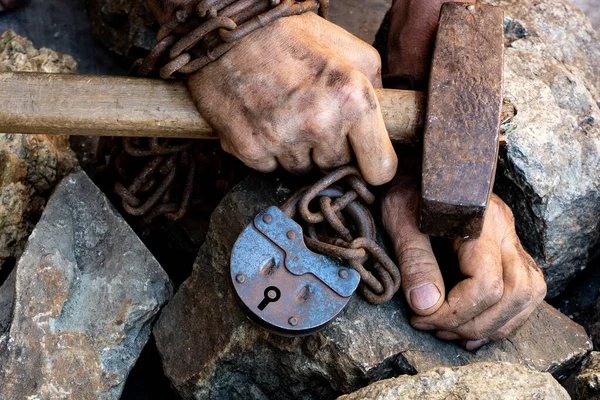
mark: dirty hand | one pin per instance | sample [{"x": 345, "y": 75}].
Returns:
[
  {"x": 502, "y": 284},
  {"x": 295, "y": 93},
  {"x": 413, "y": 24}
]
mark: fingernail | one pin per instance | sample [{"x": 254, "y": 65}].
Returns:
[
  {"x": 475, "y": 344},
  {"x": 424, "y": 296}
]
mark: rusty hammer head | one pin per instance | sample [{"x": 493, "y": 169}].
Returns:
[{"x": 460, "y": 145}]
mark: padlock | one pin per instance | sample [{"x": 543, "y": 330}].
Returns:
[{"x": 283, "y": 286}]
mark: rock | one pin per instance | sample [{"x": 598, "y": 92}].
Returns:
[
  {"x": 211, "y": 350},
  {"x": 30, "y": 165},
  {"x": 490, "y": 381},
  {"x": 7, "y": 294},
  {"x": 126, "y": 27},
  {"x": 87, "y": 292},
  {"x": 595, "y": 325},
  {"x": 591, "y": 10},
  {"x": 587, "y": 381},
  {"x": 17, "y": 54},
  {"x": 548, "y": 172}
]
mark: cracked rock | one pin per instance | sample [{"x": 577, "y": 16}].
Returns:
[
  {"x": 210, "y": 350},
  {"x": 30, "y": 165},
  {"x": 548, "y": 172},
  {"x": 87, "y": 291},
  {"x": 490, "y": 381}
]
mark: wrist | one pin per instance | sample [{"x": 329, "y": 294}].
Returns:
[{"x": 413, "y": 25}]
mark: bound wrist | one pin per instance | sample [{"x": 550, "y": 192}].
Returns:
[{"x": 193, "y": 34}]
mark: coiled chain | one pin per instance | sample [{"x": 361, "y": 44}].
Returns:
[
  {"x": 217, "y": 26},
  {"x": 342, "y": 213}
]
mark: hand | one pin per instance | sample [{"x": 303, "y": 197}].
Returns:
[
  {"x": 502, "y": 285},
  {"x": 413, "y": 25},
  {"x": 296, "y": 92}
]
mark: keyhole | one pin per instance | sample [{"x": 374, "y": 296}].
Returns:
[{"x": 272, "y": 294}]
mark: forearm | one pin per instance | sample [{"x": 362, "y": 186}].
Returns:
[{"x": 413, "y": 25}]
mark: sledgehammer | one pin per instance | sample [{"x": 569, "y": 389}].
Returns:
[{"x": 460, "y": 139}]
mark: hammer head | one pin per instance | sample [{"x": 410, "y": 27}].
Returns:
[{"x": 462, "y": 121}]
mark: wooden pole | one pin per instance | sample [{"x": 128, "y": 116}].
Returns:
[{"x": 122, "y": 106}]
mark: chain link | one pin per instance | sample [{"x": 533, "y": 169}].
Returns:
[
  {"x": 219, "y": 24},
  {"x": 342, "y": 213}
]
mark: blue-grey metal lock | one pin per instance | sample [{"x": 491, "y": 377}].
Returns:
[{"x": 284, "y": 286}]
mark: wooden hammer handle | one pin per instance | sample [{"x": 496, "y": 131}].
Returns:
[{"x": 122, "y": 106}]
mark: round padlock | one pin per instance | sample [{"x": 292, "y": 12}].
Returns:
[{"x": 282, "y": 285}]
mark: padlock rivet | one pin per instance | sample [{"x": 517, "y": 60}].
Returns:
[
  {"x": 291, "y": 234},
  {"x": 267, "y": 218},
  {"x": 240, "y": 278},
  {"x": 343, "y": 273},
  {"x": 293, "y": 321}
]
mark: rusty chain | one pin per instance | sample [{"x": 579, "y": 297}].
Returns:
[
  {"x": 162, "y": 177},
  {"x": 341, "y": 211},
  {"x": 212, "y": 29}
]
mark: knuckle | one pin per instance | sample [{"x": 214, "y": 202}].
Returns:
[
  {"x": 492, "y": 290},
  {"x": 357, "y": 95},
  {"x": 540, "y": 290},
  {"x": 506, "y": 211},
  {"x": 250, "y": 156},
  {"x": 524, "y": 299},
  {"x": 452, "y": 324},
  {"x": 373, "y": 59},
  {"x": 412, "y": 256}
]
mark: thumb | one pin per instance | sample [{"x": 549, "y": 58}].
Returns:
[{"x": 422, "y": 280}]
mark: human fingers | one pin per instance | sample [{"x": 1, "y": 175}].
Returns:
[
  {"x": 524, "y": 290},
  {"x": 367, "y": 134},
  {"x": 422, "y": 280},
  {"x": 480, "y": 261}
]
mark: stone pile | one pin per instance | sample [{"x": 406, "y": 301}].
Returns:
[{"x": 85, "y": 294}]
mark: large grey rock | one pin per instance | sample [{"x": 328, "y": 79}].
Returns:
[
  {"x": 587, "y": 380},
  {"x": 87, "y": 291},
  {"x": 30, "y": 165},
  {"x": 548, "y": 172},
  {"x": 210, "y": 350},
  {"x": 490, "y": 381}
]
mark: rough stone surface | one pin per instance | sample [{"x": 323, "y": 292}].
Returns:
[
  {"x": 30, "y": 165},
  {"x": 7, "y": 294},
  {"x": 591, "y": 8},
  {"x": 595, "y": 325},
  {"x": 587, "y": 381},
  {"x": 87, "y": 291},
  {"x": 17, "y": 54},
  {"x": 548, "y": 172},
  {"x": 490, "y": 381},
  {"x": 211, "y": 350},
  {"x": 124, "y": 26}
]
